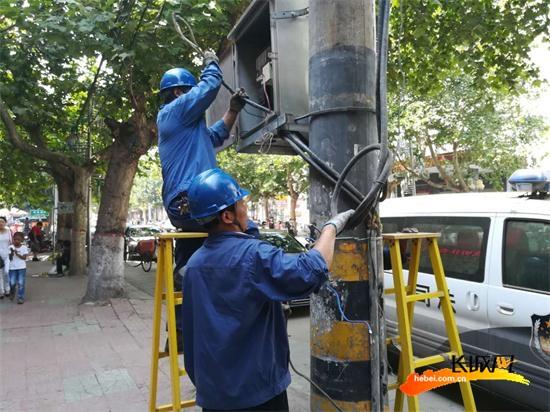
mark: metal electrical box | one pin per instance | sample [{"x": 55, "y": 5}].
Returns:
[{"x": 268, "y": 57}]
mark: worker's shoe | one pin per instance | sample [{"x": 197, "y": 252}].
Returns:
[
  {"x": 12, "y": 293},
  {"x": 20, "y": 301}
]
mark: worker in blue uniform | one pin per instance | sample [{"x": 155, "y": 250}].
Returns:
[
  {"x": 234, "y": 330},
  {"x": 187, "y": 146}
]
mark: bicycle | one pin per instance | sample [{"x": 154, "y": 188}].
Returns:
[{"x": 147, "y": 251}]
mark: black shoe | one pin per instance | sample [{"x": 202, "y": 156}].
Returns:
[
  {"x": 35, "y": 259},
  {"x": 20, "y": 301},
  {"x": 12, "y": 293},
  {"x": 6, "y": 294}
]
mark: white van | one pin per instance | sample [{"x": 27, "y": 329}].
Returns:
[{"x": 495, "y": 249}]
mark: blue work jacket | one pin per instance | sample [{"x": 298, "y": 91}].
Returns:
[
  {"x": 186, "y": 145},
  {"x": 234, "y": 332}
]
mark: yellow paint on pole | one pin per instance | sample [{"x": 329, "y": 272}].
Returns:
[
  {"x": 344, "y": 342},
  {"x": 350, "y": 262}
]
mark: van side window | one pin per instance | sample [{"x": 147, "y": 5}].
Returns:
[
  {"x": 462, "y": 245},
  {"x": 526, "y": 255}
]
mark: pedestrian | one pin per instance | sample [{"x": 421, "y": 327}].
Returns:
[
  {"x": 18, "y": 266},
  {"x": 235, "y": 338},
  {"x": 35, "y": 237},
  {"x": 187, "y": 147},
  {"x": 26, "y": 227},
  {"x": 5, "y": 242}
]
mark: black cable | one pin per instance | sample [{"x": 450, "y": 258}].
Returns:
[
  {"x": 345, "y": 171},
  {"x": 286, "y": 314},
  {"x": 314, "y": 384},
  {"x": 347, "y": 185},
  {"x": 317, "y": 166},
  {"x": 381, "y": 94}
]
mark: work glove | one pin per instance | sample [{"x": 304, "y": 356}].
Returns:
[
  {"x": 339, "y": 221},
  {"x": 236, "y": 103},
  {"x": 209, "y": 57}
]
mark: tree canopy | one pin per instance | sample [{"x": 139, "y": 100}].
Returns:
[
  {"x": 462, "y": 131},
  {"x": 485, "y": 40}
]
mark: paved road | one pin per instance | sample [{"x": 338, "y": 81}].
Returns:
[{"x": 445, "y": 399}]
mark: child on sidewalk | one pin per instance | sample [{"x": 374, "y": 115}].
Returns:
[{"x": 18, "y": 266}]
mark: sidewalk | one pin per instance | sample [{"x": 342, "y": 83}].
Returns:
[{"x": 58, "y": 355}]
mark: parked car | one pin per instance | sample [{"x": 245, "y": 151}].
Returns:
[
  {"x": 289, "y": 244},
  {"x": 495, "y": 249},
  {"x": 133, "y": 235}
]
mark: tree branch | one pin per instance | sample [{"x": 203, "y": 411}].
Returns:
[
  {"x": 7, "y": 28},
  {"x": 458, "y": 169},
  {"x": 41, "y": 153},
  {"x": 419, "y": 176},
  {"x": 90, "y": 93},
  {"x": 438, "y": 165}
]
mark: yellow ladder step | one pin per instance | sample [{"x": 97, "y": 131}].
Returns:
[
  {"x": 424, "y": 296},
  {"x": 183, "y": 404},
  {"x": 431, "y": 360},
  {"x": 391, "y": 291},
  {"x": 178, "y": 298},
  {"x": 394, "y": 339},
  {"x": 393, "y": 386}
]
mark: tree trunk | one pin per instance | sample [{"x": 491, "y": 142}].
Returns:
[
  {"x": 78, "y": 230},
  {"x": 266, "y": 208},
  {"x": 64, "y": 221},
  {"x": 293, "y": 202},
  {"x": 458, "y": 170},
  {"x": 293, "y": 197},
  {"x": 106, "y": 276}
]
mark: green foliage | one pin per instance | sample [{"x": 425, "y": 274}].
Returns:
[
  {"x": 266, "y": 176},
  {"x": 24, "y": 184},
  {"x": 485, "y": 128},
  {"x": 147, "y": 186},
  {"x": 67, "y": 65},
  {"x": 485, "y": 40}
]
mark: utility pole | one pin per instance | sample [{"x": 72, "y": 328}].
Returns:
[{"x": 347, "y": 361}]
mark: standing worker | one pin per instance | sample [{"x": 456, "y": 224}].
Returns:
[
  {"x": 186, "y": 146},
  {"x": 234, "y": 330}
]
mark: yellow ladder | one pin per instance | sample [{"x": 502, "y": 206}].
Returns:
[
  {"x": 164, "y": 291},
  {"x": 406, "y": 297}
]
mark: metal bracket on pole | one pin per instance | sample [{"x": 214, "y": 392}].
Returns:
[{"x": 289, "y": 14}]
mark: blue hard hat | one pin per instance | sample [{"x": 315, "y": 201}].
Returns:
[
  {"x": 177, "y": 77},
  {"x": 211, "y": 192}
]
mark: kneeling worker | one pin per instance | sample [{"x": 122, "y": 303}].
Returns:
[{"x": 234, "y": 331}]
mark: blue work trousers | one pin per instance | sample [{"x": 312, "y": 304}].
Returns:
[{"x": 17, "y": 276}]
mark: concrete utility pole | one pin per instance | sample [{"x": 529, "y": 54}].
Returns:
[{"x": 346, "y": 362}]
